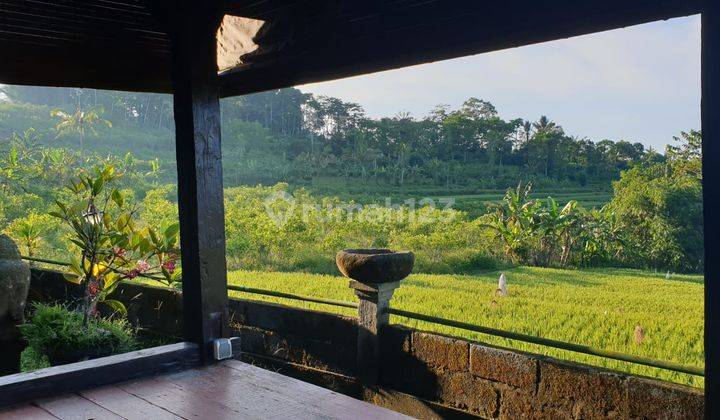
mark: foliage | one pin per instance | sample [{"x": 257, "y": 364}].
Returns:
[
  {"x": 286, "y": 134},
  {"x": 540, "y": 232},
  {"x": 31, "y": 359},
  {"x": 335, "y": 155},
  {"x": 29, "y": 231},
  {"x": 111, "y": 244},
  {"x": 78, "y": 122},
  {"x": 444, "y": 240},
  {"x": 659, "y": 207},
  {"x": 595, "y": 307},
  {"x": 55, "y": 332},
  {"x": 662, "y": 218},
  {"x": 685, "y": 160}
]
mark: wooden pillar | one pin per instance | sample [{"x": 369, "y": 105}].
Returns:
[
  {"x": 710, "y": 110},
  {"x": 372, "y": 316},
  {"x": 199, "y": 162}
]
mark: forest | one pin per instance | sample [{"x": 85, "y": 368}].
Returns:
[
  {"x": 646, "y": 211},
  {"x": 288, "y": 135}
]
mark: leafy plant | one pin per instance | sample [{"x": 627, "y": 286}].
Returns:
[
  {"x": 61, "y": 335},
  {"x": 31, "y": 359},
  {"x": 514, "y": 222},
  {"x": 111, "y": 243},
  {"x": 540, "y": 232}
]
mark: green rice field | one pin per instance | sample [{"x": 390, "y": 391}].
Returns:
[{"x": 597, "y": 307}]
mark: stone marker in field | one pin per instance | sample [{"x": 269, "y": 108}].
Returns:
[{"x": 502, "y": 286}]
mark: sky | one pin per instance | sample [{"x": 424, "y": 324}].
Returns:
[{"x": 640, "y": 83}]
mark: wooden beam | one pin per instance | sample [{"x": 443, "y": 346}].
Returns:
[
  {"x": 27, "y": 64},
  {"x": 353, "y": 41},
  {"x": 72, "y": 377},
  {"x": 199, "y": 164},
  {"x": 710, "y": 115}
]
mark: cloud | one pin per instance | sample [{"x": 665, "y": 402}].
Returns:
[{"x": 640, "y": 83}]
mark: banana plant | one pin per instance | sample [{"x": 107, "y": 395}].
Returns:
[{"x": 514, "y": 222}]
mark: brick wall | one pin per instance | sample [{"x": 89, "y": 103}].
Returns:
[
  {"x": 499, "y": 383},
  {"x": 423, "y": 374}
]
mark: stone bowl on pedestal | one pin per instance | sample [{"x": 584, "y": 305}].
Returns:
[{"x": 372, "y": 266}]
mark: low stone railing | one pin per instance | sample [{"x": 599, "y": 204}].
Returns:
[{"x": 422, "y": 374}]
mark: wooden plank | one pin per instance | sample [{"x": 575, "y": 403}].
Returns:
[
  {"x": 320, "y": 400},
  {"x": 199, "y": 165},
  {"x": 229, "y": 389},
  {"x": 117, "y": 400},
  {"x": 247, "y": 395},
  {"x": 710, "y": 116},
  {"x": 92, "y": 373},
  {"x": 247, "y": 391},
  {"x": 75, "y": 407},
  {"x": 178, "y": 401},
  {"x": 25, "y": 412}
]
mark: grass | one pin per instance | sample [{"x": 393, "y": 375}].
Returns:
[{"x": 597, "y": 307}]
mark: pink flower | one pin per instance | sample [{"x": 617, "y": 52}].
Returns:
[
  {"x": 143, "y": 266},
  {"x": 119, "y": 252},
  {"x": 132, "y": 274},
  {"x": 169, "y": 266}
]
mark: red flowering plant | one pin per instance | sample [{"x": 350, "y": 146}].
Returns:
[{"x": 111, "y": 242}]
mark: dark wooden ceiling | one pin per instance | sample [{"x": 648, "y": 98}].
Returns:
[
  {"x": 112, "y": 44},
  {"x": 121, "y": 44}
]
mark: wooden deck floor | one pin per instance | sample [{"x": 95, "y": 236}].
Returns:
[{"x": 228, "y": 390}]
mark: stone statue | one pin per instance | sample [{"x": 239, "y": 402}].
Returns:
[
  {"x": 14, "y": 285},
  {"x": 14, "y": 282}
]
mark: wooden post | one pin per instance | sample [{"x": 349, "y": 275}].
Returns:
[
  {"x": 372, "y": 316},
  {"x": 710, "y": 111},
  {"x": 193, "y": 27}
]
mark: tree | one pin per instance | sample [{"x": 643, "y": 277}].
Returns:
[
  {"x": 78, "y": 122},
  {"x": 544, "y": 125},
  {"x": 545, "y": 141},
  {"x": 686, "y": 159},
  {"x": 659, "y": 205}
]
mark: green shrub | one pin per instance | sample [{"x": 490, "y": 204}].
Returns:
[
  {"x": 59, "y": 335},
  {"x": 32, "y": 359}
]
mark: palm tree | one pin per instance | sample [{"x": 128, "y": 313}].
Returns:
[
  {"x": 527, "y": 128},
  {"x": 544, "y": 125},
  {"x": 548, "y": 133},
  {"x": 78, "y": 122}
]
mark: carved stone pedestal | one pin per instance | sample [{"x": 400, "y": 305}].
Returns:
[
  {"x": 374, "y": 274},
  {"x": 372, "y": 316}
]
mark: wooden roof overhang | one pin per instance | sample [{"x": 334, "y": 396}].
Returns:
[{"x": 124, "y": 44}]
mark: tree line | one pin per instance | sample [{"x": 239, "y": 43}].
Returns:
[{"x": 288, "y": 135}]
